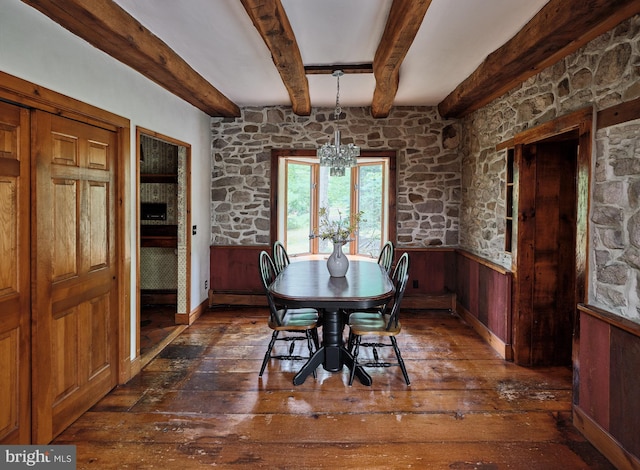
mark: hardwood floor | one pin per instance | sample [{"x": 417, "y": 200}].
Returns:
[
  {"x": 157, "y": 329},
  {"x": 200, "y": 403}
]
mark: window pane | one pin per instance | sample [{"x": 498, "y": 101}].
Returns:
[
  {"x": 334, "y": 195},
  {"x": 298, "y": 217},
  {"x": 370, "y": 200}
]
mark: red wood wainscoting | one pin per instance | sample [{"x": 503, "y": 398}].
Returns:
[
  {"x": 235, "y": 279},
  {"x": 483, "y": 291},
  {"x": 432, "y": 278},
  {"x": 606, "y": 399},
  {"x": 439, "y": 278}
]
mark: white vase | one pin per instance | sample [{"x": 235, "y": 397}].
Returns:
[{"x": 337, "y": 263}]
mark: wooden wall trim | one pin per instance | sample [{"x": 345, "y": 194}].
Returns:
[
  {"x": 124, "y": 228},
  {"x": 31, "y": 95},
  {"x": 503, "y": 349},
  {"x": 189, "y": 318},
  {"x": 603, "y": 441},
  {"x": 611, "y": 318},
  {"x": 483, "y": 262},
  {"x": 623, "y": 112},
  {"x": 507, "y": 144},
  {"x": 232, "y": 298},
  {"x": 484, "y": 292},
  {"x": 441, "y": 301},
  {"x": 555, "y": 127}
]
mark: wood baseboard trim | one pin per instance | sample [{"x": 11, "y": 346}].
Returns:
[
  {"x": 224, "y": 298},
  {"x": 444, "y": 301},
  {"x": 158, "y": 297},
  {"x": 603, "y": 441},
  {"x": 134, "y": 368},
  {"x": 189, "y": 318},
  {"x": 505, "y": 350}
]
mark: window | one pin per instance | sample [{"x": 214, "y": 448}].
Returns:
[
  {"x": 300, "y": 187},
  {"x": 508, "y": 229}
]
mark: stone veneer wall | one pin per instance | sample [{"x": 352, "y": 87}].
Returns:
[
  {"x": 615, "y": 220},
  {"x": 603, "y": 73},
  {"x": 428, "y": 168}
]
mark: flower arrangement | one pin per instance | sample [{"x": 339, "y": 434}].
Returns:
[{"x": 337, "y": 230}]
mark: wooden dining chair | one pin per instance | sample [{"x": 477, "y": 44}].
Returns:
[
  {"x": 280, "y": 256},
  {"x": 298, "y": 324},
  {"x": 385, "y": 258},
  {"x": 385, "y": 324}
]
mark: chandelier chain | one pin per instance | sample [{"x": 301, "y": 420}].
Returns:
[
  {"x": 337, "y": 156},
  {"x": 338, "y": 110}
]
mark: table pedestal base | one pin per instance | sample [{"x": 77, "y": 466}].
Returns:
[
  {"x": 332, "y": 355},
  {"x": 324, "y": 356}
]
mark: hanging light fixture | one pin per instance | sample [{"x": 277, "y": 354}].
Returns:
[{"x": 337, "y": 156}]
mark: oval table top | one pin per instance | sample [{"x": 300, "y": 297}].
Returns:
[{"x": 307, "y": 283}]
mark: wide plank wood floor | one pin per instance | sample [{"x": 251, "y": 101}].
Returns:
[{"x": 200, "y": 404}]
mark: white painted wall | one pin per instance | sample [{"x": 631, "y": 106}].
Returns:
[{"x": 36, "y": 49}]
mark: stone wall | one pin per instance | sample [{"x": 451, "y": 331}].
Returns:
[
  {"x": 428, "y": 168},
  {"x": 603, "y": 73},
  {"x": 451, "y": 180},
  {"x": 615, "y": 220}
]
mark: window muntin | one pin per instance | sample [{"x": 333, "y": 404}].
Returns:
[
  {"x": 298, "y": 203},
  {"x": 370, "y": 192}
]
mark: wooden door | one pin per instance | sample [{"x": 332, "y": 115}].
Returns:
[
  {"x": 15, "y": 364},
  {"x": 75, "y": 333},
  {"x": 546, "y": 272}
]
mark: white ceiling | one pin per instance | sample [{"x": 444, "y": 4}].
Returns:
[{"x": 219, "y": 41}]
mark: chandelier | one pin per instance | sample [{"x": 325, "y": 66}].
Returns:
[{"x": 337, "y": 156}]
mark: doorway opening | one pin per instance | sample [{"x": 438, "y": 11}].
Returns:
[
  {"x": 552, "y": 170},
  {"x": 163, "y": 255}
]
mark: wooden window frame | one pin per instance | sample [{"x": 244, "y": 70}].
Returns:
[{"x": 277, "y": 154}]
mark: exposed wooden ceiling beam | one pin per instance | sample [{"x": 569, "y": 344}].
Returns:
[
  {"x": 559, "y": 29},
  {"x": 105, "y": 25},
  {"x": 271, "y": 21},
  {"x": 405, "y": 18}
]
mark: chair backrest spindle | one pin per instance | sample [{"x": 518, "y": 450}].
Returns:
[
  {"x": 280, "y": 256},
  {"x": 267, "y": 275},
  {"x": 385, "y": 259},
  {"x": 400, "y": 278}
]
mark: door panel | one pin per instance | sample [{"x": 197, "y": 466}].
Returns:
[
  {"x": 546, "y": 274},
  {"x": 75, "y": 328},
  {"x": 15, "y": 386},
  {"x": 64, "y": 223},
  {"x": 554, "y": 301}
]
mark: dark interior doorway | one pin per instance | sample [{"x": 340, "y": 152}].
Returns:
[
  {"x": 552, "y": 174},
  {"x": 163, "y": 252},
  {"x": 554, "y": 257}
]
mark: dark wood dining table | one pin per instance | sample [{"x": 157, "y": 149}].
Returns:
[{"x": 307, "y": 283}]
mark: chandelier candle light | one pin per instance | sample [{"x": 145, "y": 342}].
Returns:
[{"x": 337, "y": 156}]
